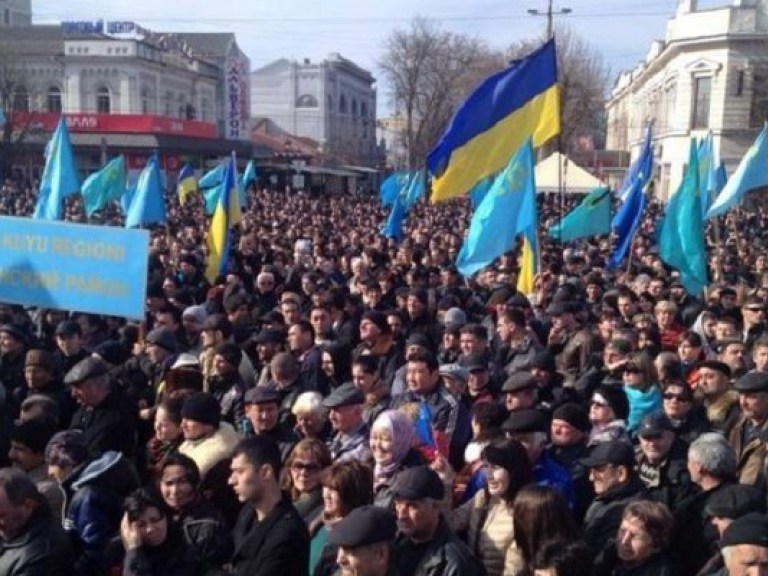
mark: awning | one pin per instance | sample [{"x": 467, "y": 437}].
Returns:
[
  {"x": 363, "y": 169},
  {"x": 323, "y": 170}
]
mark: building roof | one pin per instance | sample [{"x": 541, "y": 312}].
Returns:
[{"x": 210, "y": 44}]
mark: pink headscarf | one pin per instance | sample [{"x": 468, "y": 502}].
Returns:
[{"x": 401, "y": 429}]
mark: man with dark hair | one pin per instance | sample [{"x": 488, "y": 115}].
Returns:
[
  {"x": 27, "y": 453},
  {"x": 33, "y": 541},
  {"x": 517, "y": 347},
  {"x": 301, "y": 342},
  {"x": 378, "y": 341},
  {"x": 69, "y": 344},
  {"x": 270, "y": 536}
]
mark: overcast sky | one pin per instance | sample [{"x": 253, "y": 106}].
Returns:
[{"x": 267, "y": 30}]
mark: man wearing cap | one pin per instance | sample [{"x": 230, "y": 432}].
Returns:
[
  {"x": 104, "y": 415},
  {"x": 519, "y": 391},
  {"x": 478, "y": 379},
  {"x": 27, "y": 453},
  {"x": 425, "y": 545},
  {"x": 569, "y": 433},
  {"x": 420, "y": 321},
  {"x": 191, "y": 277},
  {"x": 192, "y": 319},
  {"x": 225, "y": 384},
  {"x": 663, "y": 462},
  {"x": 40, "y": 376},
  {"x": 350, "y": 441},
  {"x": 268, "y": 343},
  {"x": 612, "y": 473},
  {"x": 364, "y": 538},
  {"x": 720, "y": 401},
  {"x": 517, "y": 348},
  {"x": 14, "y": 342},
  {"x": 217, "y": 330},
  {"x": 570, "y": 344},
  {"x": 745, "y": 545},
  {"x": 262, "y": 408},
  {"x": 69, "y": 345},
  {"x": 530, "y": 427},
  {"x": 377, "y": 340},
  {"x": 161, "y": 349},
  {"x": 747, "y": 436}
]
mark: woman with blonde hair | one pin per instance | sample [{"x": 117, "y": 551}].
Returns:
[{"x": 641, "y": 385}]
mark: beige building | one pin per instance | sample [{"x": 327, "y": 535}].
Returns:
[{"x": 709, "y": 73}]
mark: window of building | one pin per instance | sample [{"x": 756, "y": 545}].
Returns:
[
  {"x": 103, "y": 101},
  {"x": 758, "y": 113},
  {"x": 147, "y": 101},
  {"x": 182, "y": 107},
  {"x": 54, "y": 100},
  {"x": 354, "y": 107},
  {"x": 7, "y": 16},
  {"x": 329, "y": 102},
  {"x": 739, "y": 88},
  {"x": 168, "y": 103},
  {"x": 20, "y": 99},
  {"x": 343, "y": 104},
  {"x": 702, "y": 90},
  {"x": 364, "y": 110},
  {"x": 306, "y": 101},
  {"x": 205, "y": 109}
]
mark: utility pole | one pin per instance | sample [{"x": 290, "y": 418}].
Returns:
[{"x": 550, "y": 14}]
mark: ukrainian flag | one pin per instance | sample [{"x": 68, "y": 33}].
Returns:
[
  {"x": 187, "y": 183},
  {"x": 226, "y": 215},
  {"x": 528, "y": 262},
  {"x": 519, "y": 102}
]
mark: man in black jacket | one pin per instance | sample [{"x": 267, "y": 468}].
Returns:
[
  {"x": 270, "y": 536},
  {"x": 611, "y": 470},
  {"x": 32, "y": 541}
]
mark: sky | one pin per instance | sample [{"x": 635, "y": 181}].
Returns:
[{"x": 621, "y": 30}]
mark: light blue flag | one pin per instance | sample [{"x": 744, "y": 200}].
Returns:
[
  {"x": 211, "y": 197},
  {"x": 477, "y": 193},
  {"x": 707, "y": 173},
  {"x": 641, "y": 169},
  {"x": 104, "y": 186},
  {"x": 127, "y": 198},
  {"x": 752, "y": 173},
  {"x": 416, "y": 188},
  {"x": 508, "y": 209},
  {"x": 392, "y": 186},
  {"x": 625, "y": 224},
  {"x": 148, "y": 204},
  {"x": 681, "y": 238},
  {"x": 2, "y": 117},
  {"x": 59, "y": 178},
  {"x": 393, "y": 228},
  {"x": 590, "y": 218},
  {"x": 212, "y": 178},
  {"x": 249, "y": 177}
]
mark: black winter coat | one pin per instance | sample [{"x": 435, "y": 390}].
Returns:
[{"x": 42, "y": 549}]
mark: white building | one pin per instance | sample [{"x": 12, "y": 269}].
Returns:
[
  {"x": 709, "y": 73},
  {"x": 332, "y": 102},
  {"x": 15, "y": 13}
]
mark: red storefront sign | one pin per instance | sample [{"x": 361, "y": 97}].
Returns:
[
  {"x": 116, "y": 123},
  {"x": 139, "y": 161}
]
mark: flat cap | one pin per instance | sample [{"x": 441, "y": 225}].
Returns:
[
  {"x": 215, "y": 322},
  {"x": 87, "y": 368},
  {"x": 560, "y": 308},
  {"x": 750, "y": 529},
  {"x": 345, "y": 395},
  {"x": 418, "y": 483},
  {"x": 186, "y": 360},
  {"x": 269, "y": 336},
  {"x": 68, "y": 328},
  {"x": 364, "y": 526},
  {"x": 164, "y": 338},
  {"x": 525, "y": 421},
  {"x": 734, "y": 501},
  {"x": 17, "y": 331},
  {"x": 544, "y": 361},
  {"x": 519, "y": 301},
  {"x": 614, "y": 452},
  {"x": 418, "y": 339},
  {"x": 522, "y": 380},
  {"x": 752, "y": 382},
  {"x": 715, "y": 365},
  {"x": 654, "y": 424},
  {"x": 42, "y": 358},
  {"x": 473, "y": 362},
  {"x": 262, "y": 395},
  {"x": 454, "y": 371}
]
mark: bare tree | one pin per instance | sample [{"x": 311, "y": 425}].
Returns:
[
  {"x": 430, "y": 72},
  {"x": 583, "y": 79}
]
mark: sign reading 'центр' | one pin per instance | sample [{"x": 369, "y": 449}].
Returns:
[{"x": 95, "y": 269}]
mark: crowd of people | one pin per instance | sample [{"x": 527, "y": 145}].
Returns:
[{"x": 341, "y": 403}]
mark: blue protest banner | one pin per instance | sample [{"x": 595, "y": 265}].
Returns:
[{"x": 52, "y": 264}]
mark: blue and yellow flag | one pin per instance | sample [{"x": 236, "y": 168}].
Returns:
[
  {"x": 752, "y": 173},
  {"x": 187, "y": 183},
  {"x": 59, "y": 178},
  {"x": 529, "y": 262},
  {"x": 226, "y": 215},
  {"x": 681, "y": 237},
  {"x": 511, "y": 106},
  {"x": 148, "y": 202},
  {"x": 105, "y": 185},
  {"x": 508, "y": 209}
]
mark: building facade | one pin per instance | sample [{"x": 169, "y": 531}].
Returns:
[
  {"x": 125, "y": 89},
  {"x": 709, "y": 73},
  {"x": 15, "y": 13},
  {"x": 333, "y": 102}
]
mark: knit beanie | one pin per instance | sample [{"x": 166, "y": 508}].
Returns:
[
  {"x": 615, "y": 397},
  {"x": 202, "y": 407},
  {"x": 231, "y": 352},
  {"x": 574, "y": 415},
  {"x": 67, "y": 448}
]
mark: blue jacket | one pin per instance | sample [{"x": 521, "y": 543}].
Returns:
[{"x": 547, "y": 472}]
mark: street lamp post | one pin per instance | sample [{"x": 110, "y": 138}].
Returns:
[{"x": 550, "y": 14}]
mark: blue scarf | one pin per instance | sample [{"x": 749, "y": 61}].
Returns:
[{"x": 641, "y": 403}]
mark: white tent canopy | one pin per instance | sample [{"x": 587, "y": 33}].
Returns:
[{"x": 573, "y": 178}]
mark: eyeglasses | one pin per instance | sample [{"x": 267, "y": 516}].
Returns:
[
  {"x": 678, "y": 397},
  {"x": 305, "y": 466},
  {"x": 632, "y": 369},
  {"x": 599, "y": 403}
]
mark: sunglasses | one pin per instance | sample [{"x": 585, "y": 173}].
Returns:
[
  {"x": 599, "y": 403},
  {"x": 307, "y": 467},
  {"x": 632, "y": 369},
  {"x": 678, "y": 397}
]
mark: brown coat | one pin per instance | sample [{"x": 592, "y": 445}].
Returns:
[{"x": 751, "y": 456}]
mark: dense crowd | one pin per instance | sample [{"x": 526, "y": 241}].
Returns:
[{"x": 340, "y": 403}]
